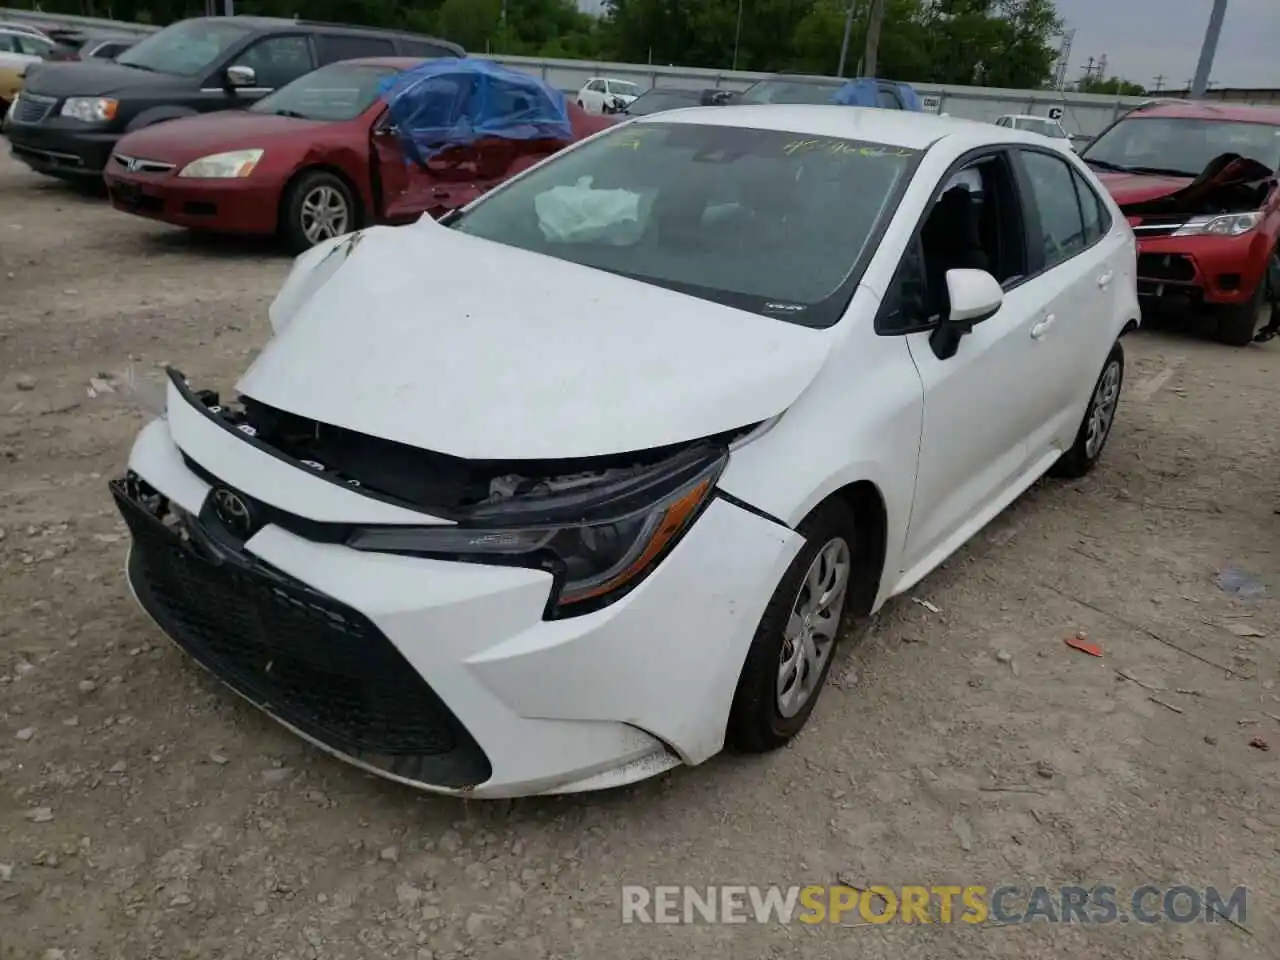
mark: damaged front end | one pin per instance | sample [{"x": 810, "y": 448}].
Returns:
[
  {"x": 598, "y": 525},
  {"x": 1185, "y": 236}
]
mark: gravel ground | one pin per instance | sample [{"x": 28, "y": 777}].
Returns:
[{"x": 145, "y": 812}]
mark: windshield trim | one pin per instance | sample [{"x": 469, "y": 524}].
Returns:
[{"x": 820, "y": 315}]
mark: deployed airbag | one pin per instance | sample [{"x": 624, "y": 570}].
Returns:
[{"x": 454, "y": 102}]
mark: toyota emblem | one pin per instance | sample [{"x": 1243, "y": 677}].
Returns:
[{"x": 232, "y": 510}]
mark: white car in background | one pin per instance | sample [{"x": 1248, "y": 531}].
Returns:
[
  {"x": 1045, "y": 126},
  {"x": 749, "y": 372},
  {"x": 19, "y": 49},
  {"x": 607, "y": 95}
]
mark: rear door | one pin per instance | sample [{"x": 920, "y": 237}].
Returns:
[{"x": 1074, "y": 263}]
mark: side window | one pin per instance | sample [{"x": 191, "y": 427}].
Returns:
[
  {"x": 32, "y": 46},
  {"x": 330, "y": 48},
  {"x": 1002, "y": 122},
  {"x": 975, "y": 223},
  {"x": 277, "y": 60},
  {"x": 424, "y": 49},
  {"x": 1096, "y": 221},
  {"x": 596, "y": 86},
  {"x": 109, "y": 50},
  {"x": 9, "y": 43},
  {"x": 1053, "y": 194}
]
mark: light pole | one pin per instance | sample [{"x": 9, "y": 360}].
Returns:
[
  {"x": 844, "y": 45},
  {"x": 1208, "y": 50},
  {"x": 737, "y": 36}
]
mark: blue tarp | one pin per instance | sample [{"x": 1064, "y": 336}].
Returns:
[
  {"x": 457, "y": 101},
  {"x": 863, "y": 92}
]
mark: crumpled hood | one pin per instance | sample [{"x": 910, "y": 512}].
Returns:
[
  {"x": 462, "y": 346},
  {"x": 1129, "y": 188}
]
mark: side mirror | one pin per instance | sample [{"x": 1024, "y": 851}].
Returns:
[
  {"x": 975, "y": 296},
  {"x": 241, "y": 76}
]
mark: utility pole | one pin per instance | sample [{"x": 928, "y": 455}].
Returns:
[
  {"x": 1159, "y": 78},
  {"x": 844, "y": 45},
  {"x": 1088, "y": 71},
  {"x": 737, "y": 37},
  {"x": 1102, "y": 67},
  {"x": 1207, "y": 51},
  {"x": 874, "y": 21}
]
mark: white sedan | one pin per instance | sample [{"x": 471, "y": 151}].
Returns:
[
  {"x": 1045, "y": 126},
  {"x": 581, "y": 484},
  {"x": 607, "y": 95}
]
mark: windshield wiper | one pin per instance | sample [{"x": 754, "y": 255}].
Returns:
[
  {"x": 290, "y": 113},
  {"x": 138, "y": 66},
  {"x": 1107, "y": 165}
]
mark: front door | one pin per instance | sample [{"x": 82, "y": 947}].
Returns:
[{"x": 973, "y": 446}]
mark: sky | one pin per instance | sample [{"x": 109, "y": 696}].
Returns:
[{"x": 1145, "y": 38}]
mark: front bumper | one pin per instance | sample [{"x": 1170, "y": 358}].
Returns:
[
  {"x": 60, "y": 147},
  {"x": 444, "y": 675},
  {"x": 230, "y": 206},
  {"x": 1211, "y": 270}
]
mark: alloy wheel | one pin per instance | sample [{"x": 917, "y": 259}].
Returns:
[
  {"x": 1102, "y": 410},
  {"x": 324, "y": 214},
  {"x": 810, "y": 633}
]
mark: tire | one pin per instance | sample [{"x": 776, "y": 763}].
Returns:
[
  {"x": 302, "y": 225},
  {"x": 1100, "y": 415},
  {"x": 1239, "y": 322},
  {"x": 758, "y": 721}
]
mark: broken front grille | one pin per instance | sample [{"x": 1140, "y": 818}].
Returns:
[
  {"x": 317, "y": 664},
  {"x": 1170, "y": 267}
]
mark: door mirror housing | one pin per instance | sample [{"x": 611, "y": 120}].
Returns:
[
  {"x": 239, "y": 75},
  {"x": 975, "y": 296}
]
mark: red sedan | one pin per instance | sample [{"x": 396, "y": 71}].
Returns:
[{"x": 314, "y": 160}]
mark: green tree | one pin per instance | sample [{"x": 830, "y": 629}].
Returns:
[{"x": 1117, "y": 86}]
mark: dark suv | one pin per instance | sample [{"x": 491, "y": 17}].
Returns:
[{"x": 69, "y": 116}]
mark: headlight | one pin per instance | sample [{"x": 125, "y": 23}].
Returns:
[
  {"x": 1227, "y": 225},
  {"x": 90, "y": 109},
  {"x": 605, "y": 545},
  {"x": 223, "y": 166}
]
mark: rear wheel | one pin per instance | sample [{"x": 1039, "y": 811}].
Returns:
[
  {"x": 317, "y": 207},
  {"x": 1239, "y": 322},
  {"x": 1099, "y": 417},
  {"x": 794, "y": 644}
]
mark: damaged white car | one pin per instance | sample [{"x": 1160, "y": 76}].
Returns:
[{"x": 578, "y": 485}]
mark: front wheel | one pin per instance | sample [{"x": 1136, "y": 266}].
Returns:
[
  {"x": 317, "y": 207},
  {"x": 1239, "y": 323},
  {"x": 1099, "y": 417},
  {"x": 791, "y": 653}
]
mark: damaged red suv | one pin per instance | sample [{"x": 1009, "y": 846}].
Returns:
[{"x": 1198, "y": 182}]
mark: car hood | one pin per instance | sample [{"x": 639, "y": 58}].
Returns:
[
  {"x": 1129, "y": 188},
  {"x": 92, "y": 78},
  {"x": 462, "y": 346},
  {"x": 189, "y": 138}
]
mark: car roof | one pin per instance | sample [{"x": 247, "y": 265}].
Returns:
[
  {"x": 897, "y": 128},
  {"x": 1202, "y": 110},
  {"x": 1029, "y": 116},
  {"x": 284, "y": 23}
]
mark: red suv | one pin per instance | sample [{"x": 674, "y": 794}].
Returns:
[{"x": 1198, "y": 182}]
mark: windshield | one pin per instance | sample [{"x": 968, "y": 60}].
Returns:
[
  {"x": 654, "y": 101},
  {"x": 1047, "y": 128},
  {"x": 186, "y": 49},
  {"x": 341, "y": 91},
  {"x": 624, "y": 87},
  {"x": 789, "y": 91},
  {"x": 762, "y": 220},
  {"x": 1182, "y": 147}
]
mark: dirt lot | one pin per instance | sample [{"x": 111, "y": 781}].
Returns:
[{"x": 145, "y": 813}]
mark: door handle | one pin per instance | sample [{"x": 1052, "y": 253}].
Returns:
[
  {"x": 1104, "y": 281},
  {"x": 1041, "y": 328}
]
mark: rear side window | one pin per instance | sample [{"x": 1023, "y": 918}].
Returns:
[
  {"x": 332, "y": 47},
  {"x": 1053, "y": 194},
  {"x": 1097, "y": 220},
  {"x": 108, "y": 50},
  {"x": 425, "y": 49}
]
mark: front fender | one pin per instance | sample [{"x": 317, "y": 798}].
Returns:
[{"x": 153, "y": 115}]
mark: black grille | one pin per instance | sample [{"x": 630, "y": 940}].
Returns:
[
  {"x": 1166, "y": 266},
  {"x": 32, "y": 109},
  {"x": 317, "y": 664}
]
